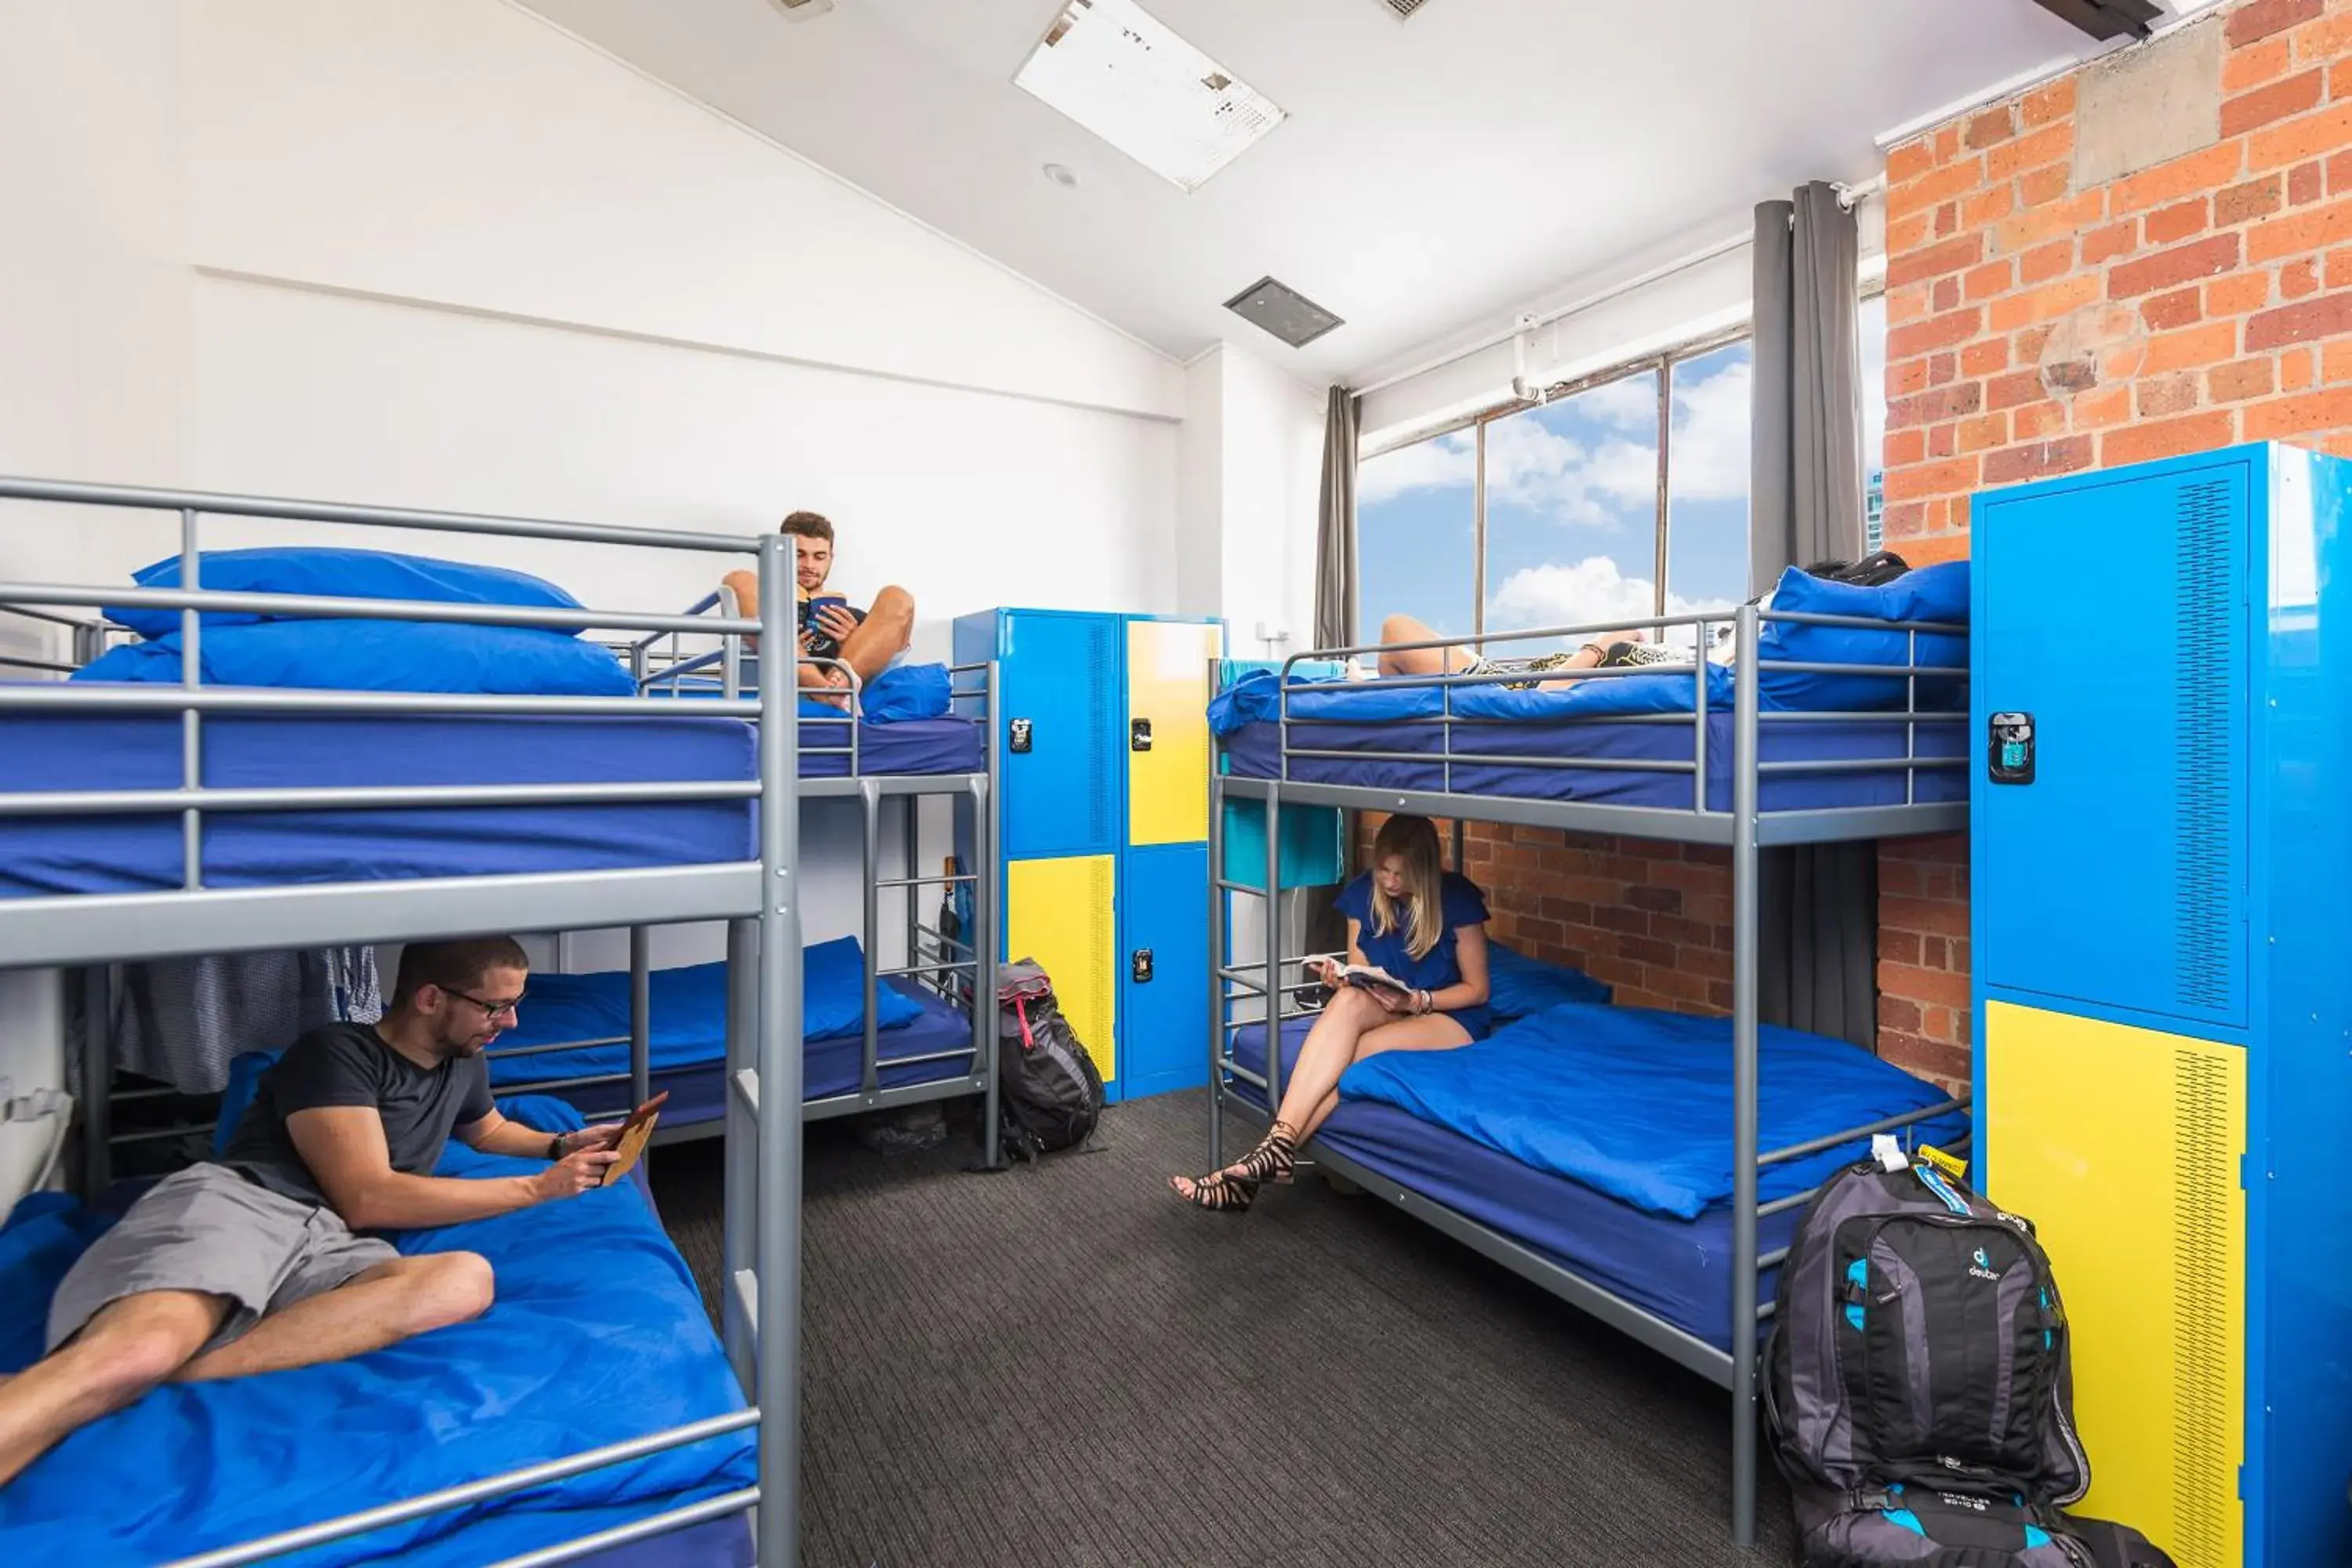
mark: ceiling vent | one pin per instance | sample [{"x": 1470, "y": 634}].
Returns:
[
  {"x": 2102, "y": 19},
  {"x": 1281, "y": 309},
  {"x": 801, "y": 10},
  {"x": 1403, "y": 7}
]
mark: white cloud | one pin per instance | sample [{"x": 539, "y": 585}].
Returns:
[
  {"x": 1437, "y": 464},
  {"x": 1590, "y": 592},
  {"x": 1711, "y": 435},
  {"x": 1873, "y": 383},
  {"x": 1541, "y": 470},
  {"x": 1630, "y": 402}
]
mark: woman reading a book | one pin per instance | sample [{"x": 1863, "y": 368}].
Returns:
[{"x": 1416, "y": 980}]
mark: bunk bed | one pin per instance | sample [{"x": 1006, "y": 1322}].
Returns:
[
  {"x": 1839, "y": 717},
  {"x": 280, "y": 844},
  {"x": 913, "y": 1035}
]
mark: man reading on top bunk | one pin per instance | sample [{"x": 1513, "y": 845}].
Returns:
[
  {"x": 834, "y": 638},
  {"x": 266, "y": 1259}
]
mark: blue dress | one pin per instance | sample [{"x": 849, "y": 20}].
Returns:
[{"x": 1460, "y": 904}]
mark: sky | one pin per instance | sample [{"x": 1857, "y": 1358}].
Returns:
[{"x": 1571, "y": 504}]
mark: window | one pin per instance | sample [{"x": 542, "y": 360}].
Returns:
[
  {"x": 1874, "y": 423},
  {"x": 1417, "y": 535},
  {"x": 1567, "y": 513}
]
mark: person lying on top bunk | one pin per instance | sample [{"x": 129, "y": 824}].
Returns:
[
  {"x": 1426, "y": 928},
  {"x": 1551, "y": 671},
  {"x": 264, "y": 1261},
  {"x": 864, "y": 640}
]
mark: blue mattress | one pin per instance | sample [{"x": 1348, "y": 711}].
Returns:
[
  {"x": 692, "y": 1063},
  {"x": 598, "y": 1335},
  {"x": 133, "y": 854},
  {"x": 1254, "y": 752},
  {"x": 1679, "y": 1269}
]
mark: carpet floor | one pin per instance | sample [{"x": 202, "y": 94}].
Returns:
[{"x": 1061, "y": 1366}]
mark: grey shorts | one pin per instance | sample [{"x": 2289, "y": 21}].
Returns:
[{"x": 209, "y": 1230}]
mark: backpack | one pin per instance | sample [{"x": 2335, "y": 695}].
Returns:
[
  {"x": 1895, "y": 1277},
  {"x": 1870, "y": 571},
  {"x": 1050, "y": 1094}
]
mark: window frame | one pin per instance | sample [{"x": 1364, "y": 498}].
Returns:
[{"x": 1662, "y": 362}]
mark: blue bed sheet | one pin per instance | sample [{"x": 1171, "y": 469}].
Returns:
[
  {"x": 1637, "y": 1103},
  {"x": 134, "y": 854},
  {"x": 1253, "y": 751},
  {"x": 598, "y": 1335},
  {"x": 1678, "y": 1269},
  {"x": 696, "y": 1076}
]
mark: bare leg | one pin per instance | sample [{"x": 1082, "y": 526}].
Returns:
[
  {"x": 377, "y": 1307},
  {"x": 882, "y": 637},
  {"x": 1433, "y": 1033},
  {"x": 1418, "y": 660},
  {"x": 1330, "y": 1046},
  {"x": 124, "y": 1351}
]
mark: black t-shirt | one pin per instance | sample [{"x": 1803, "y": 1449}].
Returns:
[
  {"x": 819, "y": 645},
  {"x": 348, "y": 1064}
]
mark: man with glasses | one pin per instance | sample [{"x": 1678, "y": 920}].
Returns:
[{"x": 266, "y": 1259}]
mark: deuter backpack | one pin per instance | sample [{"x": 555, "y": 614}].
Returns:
[
  {"x": 1050, "y": 1094},
  {"x": 1918, "y": 1385}
]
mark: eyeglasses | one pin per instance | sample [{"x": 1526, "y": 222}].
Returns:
[{"x": 493, "y": 1010}]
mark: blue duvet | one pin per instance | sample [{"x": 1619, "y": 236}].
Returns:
[
  {"x": 1638, "y": 1103},
  {"x": 598, "y": 1335}
]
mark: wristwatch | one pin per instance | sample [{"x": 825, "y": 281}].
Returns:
[{"x": 555, "y": 1147}]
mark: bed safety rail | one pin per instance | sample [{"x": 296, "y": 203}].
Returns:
[
  {"x": 757, "y": 899},
  {"x": 1240, "y": 991}
]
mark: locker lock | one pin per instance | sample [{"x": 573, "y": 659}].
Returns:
[
  {"x": 1021, "y": 730},
  {"x": 2008, "y": 748},
  {"x": 1139, "y": 735},
  {"x": 1139, "y": 966}
]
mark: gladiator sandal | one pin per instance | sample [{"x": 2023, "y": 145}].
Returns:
[
  {"x": 1275, "y": 1159},
  {"x": 1217, "y": 1192}
]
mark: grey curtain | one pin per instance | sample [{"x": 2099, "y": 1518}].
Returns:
[
  {"x": 1819, "y": 905},
  {"x": 1335, "y": 529}
]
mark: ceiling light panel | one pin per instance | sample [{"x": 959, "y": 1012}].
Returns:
[{"x": 1116, "y": 69}]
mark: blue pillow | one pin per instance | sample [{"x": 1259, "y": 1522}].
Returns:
[
  {"x": 1938, "y": 592},
  {"x": 902, "y": 692},
  {"x": 832, "y": 994},
  {"x": 245, "y": 1071},
  {"x": 380, "y": 656},
  {"x": 1520, "y": 987},
  {"x": 340, "y": 573}
]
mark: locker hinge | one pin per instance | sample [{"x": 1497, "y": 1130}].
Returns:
[
  {"x": 2245, "y": 1173},
  {"x": 2242, "y": 1483}
]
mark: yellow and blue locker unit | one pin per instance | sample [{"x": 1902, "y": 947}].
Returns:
[
  {"x": 2162, "y": 837},
  {"x": 1103, "y": 733}
]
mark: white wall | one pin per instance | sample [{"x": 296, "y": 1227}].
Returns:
[
  {"x": 1250, "y": 465},
  {"x": 440, "y": 254}
]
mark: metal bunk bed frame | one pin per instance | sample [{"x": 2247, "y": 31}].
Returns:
[
  {"x": 758, "y": 898},
  {"x": 951, "y": 957},
  {"x": 1745, "y": 829}
]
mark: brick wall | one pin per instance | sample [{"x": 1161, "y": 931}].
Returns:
[{"x": 2051, "y": 306}]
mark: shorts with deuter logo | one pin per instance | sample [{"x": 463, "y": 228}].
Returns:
[{"x": 209, "y": 1228}]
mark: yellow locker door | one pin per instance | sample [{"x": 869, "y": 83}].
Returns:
[
  {"x": 1168, "y": 688},
  {"x": 1062, "y": 913},
  {"x": 2121, "y": 1147}
]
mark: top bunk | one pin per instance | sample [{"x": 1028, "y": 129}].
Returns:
[
  {"x": 1855, "y": 726},
  {"x": 311, "y": 747}
]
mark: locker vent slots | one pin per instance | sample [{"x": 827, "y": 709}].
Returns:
[
  {"x": 2202, "y": 1181},
  {"x": 2204, "y": 643},
  {"x": 1102, "y": 717}
]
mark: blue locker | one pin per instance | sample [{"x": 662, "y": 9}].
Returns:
[
  {"x": 1099, "y": 722},
  {"x": 1164, "y": 997},
  {"x": 2164, "y": 1028}
]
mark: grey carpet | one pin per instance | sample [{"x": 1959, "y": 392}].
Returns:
[{"x": 1063, "y": 1366}]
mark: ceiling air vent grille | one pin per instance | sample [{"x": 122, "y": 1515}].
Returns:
[
  {"x": 1281, "y": 309},
  {"x": 1403, "y": 7}
]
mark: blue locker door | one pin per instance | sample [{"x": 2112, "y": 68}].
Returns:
[
  {"x": 1061, "y": 699},
  {"x": 1164, "y": 1024},
  {"x": 2114, "y": 614}
]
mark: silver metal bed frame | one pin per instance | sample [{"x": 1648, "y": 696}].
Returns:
[
  {"x": 1745, "y": 829},
  {"x": 945, "y": 963},
  {"x": 758, "y": 898}
]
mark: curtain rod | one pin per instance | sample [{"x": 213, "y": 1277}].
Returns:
[{"x": 1849, "y": 196}]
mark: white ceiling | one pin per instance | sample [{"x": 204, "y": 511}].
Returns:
[{"x": 1436, "y": 174}]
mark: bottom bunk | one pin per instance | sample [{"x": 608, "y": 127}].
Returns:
[
  {"x": 923, "y": 1041},
  {"x": 598, "y": 1335},
  {"x": 1599, "y": 1139}
]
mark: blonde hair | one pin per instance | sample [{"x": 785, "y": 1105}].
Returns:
[{"x": 1414, "y": 840}]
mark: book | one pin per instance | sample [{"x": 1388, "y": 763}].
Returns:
[
  {"x": 636, "y": 1133},
  {"x": 1370, "y": 977}
]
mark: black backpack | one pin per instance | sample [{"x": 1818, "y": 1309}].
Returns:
[
  {"x": 1050, "y": 1093},
  {"x": 1902, "y": 1281},
  {"x": 1884, "y": 566}
]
